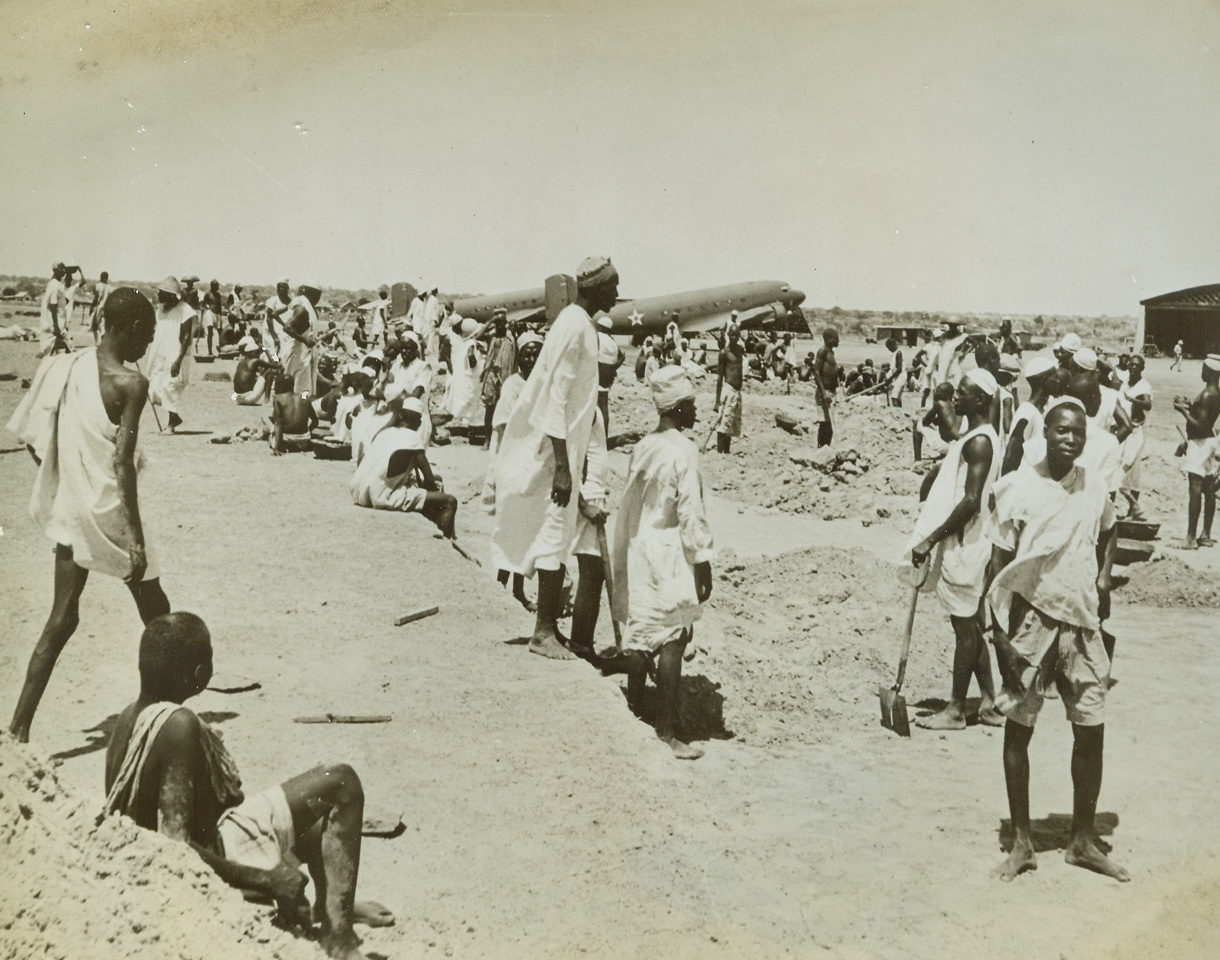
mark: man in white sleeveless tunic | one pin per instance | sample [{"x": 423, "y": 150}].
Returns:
[
  {"x": 80, "y": 422},
  {"x": 170, "y": 360}
]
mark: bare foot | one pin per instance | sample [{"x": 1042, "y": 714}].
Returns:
[
  {"x": 1084, "y": 853},
  {"x": 548, "y": 645},
  {"x": 951, "y": 718},
  {"x": 1188, "y": 544},
  {"x": 683, "y": 751},
  {"x": 1020, "y": 860},
  {"x": 526, "y": 602},
  {"x": 991, "y": 717},
  {"x": 1206, "y": 541},
  {"x": 372, "y": 914}
]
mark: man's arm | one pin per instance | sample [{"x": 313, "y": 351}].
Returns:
[
  {"x": 720, "y": 365},
  {"x": 184, "y": 344},
  {"x": 977, "y": 454},
  {"x": 1016, "y": 448},
  {"x": 298, "y": 314},
  {"x": 1122, "y": 423},
  {"x": 134, "y": 392}
]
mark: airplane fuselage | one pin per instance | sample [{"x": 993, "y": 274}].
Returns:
[{"x": 757, "y": 302}]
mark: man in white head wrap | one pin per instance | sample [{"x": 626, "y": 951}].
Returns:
[
  {"x": 1202, "y": 453},
  {"x": 948, "y": 540},
  {"x": 1025, "y": 434},
  {"x": 663, "y": 551},
  {"x": 170, "y": 358},
  {"x": 543, "y": 449},
  {"x": 463, "y": 401}
]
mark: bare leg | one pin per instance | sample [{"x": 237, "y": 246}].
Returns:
[
  {"x": 332, "y": 797},
  {"x": 988, "y": 714},
  {"x": 917, "y": 439},
  {"x": 441, "y": 509},
  {"x": 61, "y": 624},
  {"x": 669, "y": 678},
  {"x": 546, "y": 641},
  {"x": 965, "y": 666},
  {"x": 1016, "y": 779},
  {"x": 1082, "y": 850},
  {"x": 519, "y": 593},
  {"x": 724, "y": 443},
  {"x": 151, "y": 601},
  {"x": 588, "y": 602},
  {"x": 1209, "y": 509},
  {"x": 487, "y": 415},
  {"x": 1194, "y": 503}
]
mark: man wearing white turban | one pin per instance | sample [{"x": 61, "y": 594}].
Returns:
[
  {"x": 463, "y": 400},
  {"x": 544, "y": 446},
  {"x": 662, "y": 553},
  {"x": 948, "y": 536}
]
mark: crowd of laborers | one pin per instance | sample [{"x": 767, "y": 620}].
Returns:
[{"x": 1015, "y": 535}]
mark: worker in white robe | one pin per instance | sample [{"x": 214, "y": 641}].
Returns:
[
  {"x": 413, "y": 373},
  {"x": 525, "y": 352},
  {"x": 1024, "y": 442},
  {"x": 663, "y": 550},
  {"x": 463, "y": 401},
  {"x": 299, "y": 356},
  {"x": 276, "y": 309},
  {"x": 170, "y": 359},
  {"x": 80, "y": 421},
  {"x": 543, "y": 449},
  {"x": 1135, "y": 396},
  {"x": 949, "y": 553}
]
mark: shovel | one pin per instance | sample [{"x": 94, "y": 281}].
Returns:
[{"x": 893, "y": 703}]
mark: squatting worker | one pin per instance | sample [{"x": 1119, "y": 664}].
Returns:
[
  {"x": 80, "y": 421},
  {"x": 544, "y": 446}
]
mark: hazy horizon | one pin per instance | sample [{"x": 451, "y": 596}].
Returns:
[{"x": 947, "y": 156}]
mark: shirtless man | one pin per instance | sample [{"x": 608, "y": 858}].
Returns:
[
  {"x": 101, "y": 290},
  {"x": 292, "y": 419},
  {"x": 896, "y": 379},
  {"x": 252, "y": 374},
  {"x": 213, "y": 310},
  {"x": 1202, "y": 452},
  {"x": 96, "y": 427},
  {"x": 826, "y": 380},
  {"x": 169, "y": 772},
  {"x": 937, "y": 428},
  {"x": 729, "y": 370},
  {"x": 1052, "y": 532}
]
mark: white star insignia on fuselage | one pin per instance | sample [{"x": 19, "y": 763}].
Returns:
[{"x": 635, "y": 317}]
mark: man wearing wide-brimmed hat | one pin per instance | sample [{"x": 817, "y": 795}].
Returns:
[{"x": 170, "y": 358}]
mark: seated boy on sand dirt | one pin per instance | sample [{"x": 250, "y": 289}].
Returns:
[
  {"x": 292, "y": 419},
  {"x": 170, "y": 772}
]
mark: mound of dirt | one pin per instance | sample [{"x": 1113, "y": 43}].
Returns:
[
  {"x": 74, "y": 888},
  {"x": 795, "y": 665},
  {"x": 867, "y": 472},
  {"x": 1168, "y": 582}
]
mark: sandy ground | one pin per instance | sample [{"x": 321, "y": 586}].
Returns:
[{"x": 543, "y": 820}]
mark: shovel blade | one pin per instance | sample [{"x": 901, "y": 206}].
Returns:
[{"x": 894, "y": 712}]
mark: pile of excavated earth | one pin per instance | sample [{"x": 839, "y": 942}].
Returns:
[{"x": 110, "y": 889}]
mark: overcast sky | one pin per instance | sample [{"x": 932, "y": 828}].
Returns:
[{"x": 1042, "y": 156}]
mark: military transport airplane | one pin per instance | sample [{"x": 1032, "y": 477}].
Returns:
[{"x": 759, "y": 303}]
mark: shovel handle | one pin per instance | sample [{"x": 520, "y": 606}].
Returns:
[
  {"x": 910, "y": 626},
  {"x": 608, "y": 577}
]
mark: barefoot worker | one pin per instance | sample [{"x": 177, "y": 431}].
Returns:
[
  {"x": 1044, "y": 595},
  {"x": 526, "y": 350},
  {"x": 543, "y": 448},
  {"x": 593, "y": 509},
  {"x": 291, "y": 421},
  {"x": 394, "y": 473},
  {"x": 1202, "y": 452},
  {"x": 170, "y": 359},
  {"x": 1135, "y": 396},
  {"x": 250, "y": 375},
  {"x": 80, "y": 421},
  {"x": 170, "y": 772},
  {"x": 663, "y": 552},
  {"x": 729, "y": 372},
  {"x": 951, "y": 519}
]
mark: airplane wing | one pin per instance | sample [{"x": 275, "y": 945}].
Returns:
[
  {"x": 527, "y": 315},
  {"x": 753, "y": 319}
]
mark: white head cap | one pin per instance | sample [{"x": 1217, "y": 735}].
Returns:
[
  {"x": 1085, "y": 359},
  {"x": 1071, "y": 342},
  {"x": 982, "y": 379},
  {"x": 670, "y": 386},
  {"x": 1038, "y": 366}
]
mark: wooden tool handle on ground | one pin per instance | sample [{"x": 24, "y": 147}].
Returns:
[
  {"x": 344, "y": 718},
  {"x": 906, "y": 640},
  {"x": 416, "y": 615}
]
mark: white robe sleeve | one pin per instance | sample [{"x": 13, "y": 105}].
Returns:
[
  {"x": 553, "y": 417},
  {"x": 692, "y": 521}
]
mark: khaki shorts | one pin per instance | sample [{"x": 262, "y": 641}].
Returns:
[
  {"x": 1075, "y": 664},
  {"x": 259, "y": 832}
]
